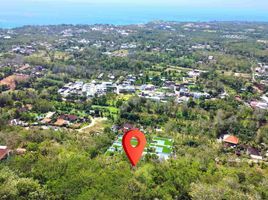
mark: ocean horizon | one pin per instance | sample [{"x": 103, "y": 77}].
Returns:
[{"x": 88, "y": 14}]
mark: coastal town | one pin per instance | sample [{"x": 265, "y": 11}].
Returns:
[{"x": 198, "y": 91}]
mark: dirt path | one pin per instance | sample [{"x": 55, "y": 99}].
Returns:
[{"x": 94, "y": 121}]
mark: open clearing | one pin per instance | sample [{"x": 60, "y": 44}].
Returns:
[
  {"x": 96, "y": 125},
  {"x": 10, "y": 81}
]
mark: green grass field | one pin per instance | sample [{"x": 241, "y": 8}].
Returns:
[{"x": 109, "y": 108}]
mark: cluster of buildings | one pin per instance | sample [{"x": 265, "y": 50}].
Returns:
[
  {"x": 185, "y": 91},
  {"x": 72, "y": 39},
  {"x": 180, "y": 92},
  {"x": 53, "y": 120},
  {"x": 261, "y": 70},
  {"x": 24, "y": 49},
  {"x": 95, "y": 89},
  {"x": 106, "y": 29},
  {"x": 149, "y": 91},
  {"x": 128, "y": 46},
  {"x": 201, "y": 46},
  {"x": 62, "y": 120},
  {"x": 6, "y": 37},
  {"x": 260, "y": 104},
  {"x": 263, "y": 41},
  {"x": 255, "y": 154},
  {"x": 169, "y": 89},
  {"x": 118, "y": 53},
  {"x": 152, "y": 92},
  {"x": 237, "y": 37}
]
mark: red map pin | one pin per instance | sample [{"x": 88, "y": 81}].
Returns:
[{"x": 134, "y": 153}]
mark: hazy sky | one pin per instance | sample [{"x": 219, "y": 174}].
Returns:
[{"x": 253, "y": 4}]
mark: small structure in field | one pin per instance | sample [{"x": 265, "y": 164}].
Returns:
[
  {"x": 4, "y": 152},
  {"x": 254, "y": 153}
]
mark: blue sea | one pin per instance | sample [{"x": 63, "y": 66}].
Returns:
[{"x": 34, "y": 13}]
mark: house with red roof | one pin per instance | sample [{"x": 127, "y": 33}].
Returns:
[
  {"x": 229, "y": 140},
  {"x": 71, "y": 118},
  {"x": 4, "y": 152},
  {"x": 61, "y": 122}
]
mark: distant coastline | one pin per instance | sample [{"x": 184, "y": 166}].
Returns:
[
  {"x": 120, "y": 15},
  {"x": 129, "y": 24}
]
